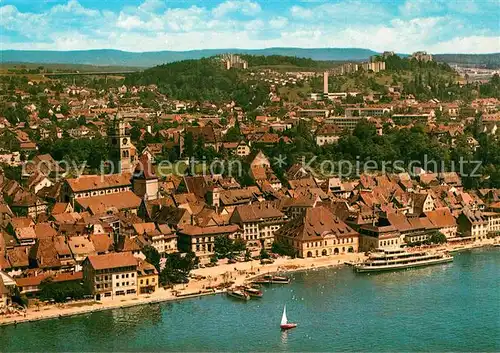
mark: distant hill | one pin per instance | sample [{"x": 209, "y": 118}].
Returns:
[
  {"x": 109, "y": 57},
  {"x": 487, "y": 60}
]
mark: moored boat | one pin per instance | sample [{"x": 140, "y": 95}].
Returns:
[
  {"x": 398, "y": 259},
  {"x": 272, "y": 279},
  {"x": 285, "y": 325},
  {"x": 238, "y": 294},
  {"x": 253, "y": 292}
]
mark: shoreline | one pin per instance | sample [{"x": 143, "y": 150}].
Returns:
[{"x": 238, "y": 274}]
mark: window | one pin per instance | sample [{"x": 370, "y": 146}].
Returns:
[
  {"x": 142, "y": 281},
  {"x": 118, "y": 284},
  {"x": 132, "y": 275}
]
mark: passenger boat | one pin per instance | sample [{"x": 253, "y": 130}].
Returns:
[
  {"x": 285, "y": 325},
  {"x": 253, "y": 292},
  {"x": 398, "y": 259},
  {"x": 272, "y": 279},
  {"x": 238, "y": 294}
]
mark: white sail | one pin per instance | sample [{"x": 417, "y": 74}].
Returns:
[{"x": 284, "y": 320}]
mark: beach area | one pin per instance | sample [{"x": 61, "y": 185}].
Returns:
[{"x": 204, "y": 280}]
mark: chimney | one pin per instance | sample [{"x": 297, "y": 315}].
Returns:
[{"x": 325, "y": 82}]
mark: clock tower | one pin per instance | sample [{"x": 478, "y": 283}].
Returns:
[{"x": 122, "y": 148}]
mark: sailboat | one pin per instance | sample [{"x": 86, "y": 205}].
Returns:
[{"x": 285, "y": 325}]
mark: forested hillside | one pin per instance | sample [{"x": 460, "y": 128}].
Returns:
[
  {"x": 203, "y": 79},
  {"x": 491, "y": 61}
]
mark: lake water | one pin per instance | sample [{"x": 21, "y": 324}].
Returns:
[{"x": 451, "y": 307}]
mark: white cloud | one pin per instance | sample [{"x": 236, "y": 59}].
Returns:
[
  {"x": 254, "y": 25},
  {"x": 245, "y": 7},
  {"x": 151, "y": 5},
  {"x": 129, "y": 22},
  {"x": 14, "y": 20},
  {"x": 415, "y": 8},
  {"x": 278, "y": 22},
  {"x": 185, "y": 19},
  {"x": 73, "y": 7},
  {"x": 412, "y": 8},
  {"x": 470, "y": 44},
  {"x": 344, "y": 12},
  {"x": 152, "y": 26},
  {"x": 301, "y": 12}
]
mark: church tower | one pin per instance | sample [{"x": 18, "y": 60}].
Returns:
[
  {"x": 144, "y": 180},
  {"x": 122, "y": 148}
]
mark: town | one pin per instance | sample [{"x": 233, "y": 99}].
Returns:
[{"x": 164, "y": 183}]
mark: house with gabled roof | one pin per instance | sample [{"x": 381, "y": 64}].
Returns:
[
  {"x": 328, "y": 134},
  {"x": 259, "y": 222},
  {"x": 472, "y": 224},
  {"x": 318, "y": 233},
  {"x": 444, "y": 221}
]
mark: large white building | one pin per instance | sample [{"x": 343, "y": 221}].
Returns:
[{"x": 111, "y": 276}]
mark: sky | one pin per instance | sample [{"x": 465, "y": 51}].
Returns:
[{"x": 437, "y": 26}]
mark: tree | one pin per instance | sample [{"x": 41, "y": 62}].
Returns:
[
  {"x": 233, "y": 134},
  {"x": 82, "y": 120},
  {"x": 135, "y": 133},
  {"x": 225, "y": 247},
  {"x": 19, "y": 298},
  {"x": 248, "y": 255},
  {"x": 264, "y": 254},
  {"x": 239, "y": 245},
  {"x": 283, "y": 249},
  {"x": 152, "y": 256},
  {"x": 437, "y": 238},
  {"x": 188, "y": 145},
  {"x": 61, "y": 291},
  {"x": 177, "y": 268},
  {"x": 222, "y": 246}
]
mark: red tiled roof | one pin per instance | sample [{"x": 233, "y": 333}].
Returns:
[
  {"x": 101, "y": 204},
  {"x": 112, "y": 260},
  {"x": 96, "y": 182}
]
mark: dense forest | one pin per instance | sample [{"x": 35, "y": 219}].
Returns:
[
  {"x": 203, "y": 80},
  {"x": 280, "y": 60}
]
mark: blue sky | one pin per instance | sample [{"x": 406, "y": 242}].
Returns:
[{"x": 438, "y": 26}]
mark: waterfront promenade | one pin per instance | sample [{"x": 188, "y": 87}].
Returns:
[{"x": 237, "y": 273}]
